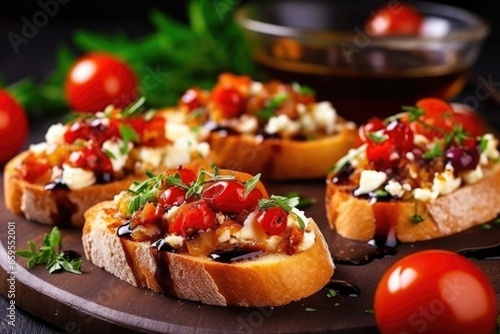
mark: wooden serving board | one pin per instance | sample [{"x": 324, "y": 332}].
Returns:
[{"x": 98, "y": 302}]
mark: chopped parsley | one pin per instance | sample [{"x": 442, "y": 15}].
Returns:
[
  {"x": 416, "y": 217},
  {"x": 302, "y": 89},
  {"x": 310, "y": 309},
  {"x": 331, "y": 293},
  {"x": 274, "y": 103},
  {"x": 486, "y": 227},
  {"x": 128, "y": 135},
  {"x": 377, "y": 137},
  {"x": 434, "y": 152}
]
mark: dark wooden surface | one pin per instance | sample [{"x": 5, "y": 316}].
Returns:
[{"x": 100, "y": 303}]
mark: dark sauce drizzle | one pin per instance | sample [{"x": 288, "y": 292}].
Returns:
[
  {"x": 343, "y": 287},
  {"x": 235, "y": 255},
  {"x": 124, "y": 230},
  {"x": 57, "y": 184},
  {"x": 163, "y": 246},
  {"x": 482, "y": 253}
]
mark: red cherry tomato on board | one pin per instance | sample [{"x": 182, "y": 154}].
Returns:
[
  {"x": 13, "y": 126},
  {"x": 97, "y": 80},
  {"x": 435, "y": 291},
  {"x": 394, "y": 19}
]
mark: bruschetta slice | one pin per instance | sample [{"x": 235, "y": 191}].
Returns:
[
  {"x": 428, "y": 172},
  {"x": 216, "y": 237}
]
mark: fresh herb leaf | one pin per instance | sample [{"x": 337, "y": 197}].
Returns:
[
  {"x": 457, "y": 135},
  {"x": 303, "y": 201},
  {"x": 51, "y": 255},
  {"x": 369, "y": 311},
  {"x": 176, "y": 181},
  {"x": 144, "y": 191},
  {"x": 381, "y": 193},
  {"x": 110, "y": 154},
  {"x": 251, "y": 183},
  {"x": 434, "y": 152},
  {"x": 274, "y": 103},
  {"x": 215, "y": 168},
  {"x": 486, "y": 227},
  {"x": 302, "y": 89},
  {"x": 377, "y": 137},
  {"x": 352, "y": 154},
  {"x": 416, "y": 217},
  {"x": 310, "y": 309},
  {"x": 497, "y": 221},
  {"x": 483, "y": 144},
  {"x": 414, "y": 113},
  {"x": 128, "y": 134},
  {"x": 331, "y": 293},
  {"x": 135, "y": 108}
]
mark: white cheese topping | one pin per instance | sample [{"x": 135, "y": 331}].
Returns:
[
  {"x": 175, "y": 131},
  {"x": 282, "y": 124},
  {"x": 425, "y": 195},
  {"x": 308, "y": 240},
  {"x": 256, "y": 87},
  {"x": 39, "y": 148},
  {"x": 57, "y": 173},
  {"x": 118, "y": 160},
  {"x": 292, "y": 219},
  {"x": 325, "y": 116},
  {"x": 55, "y": 134},
  {"x": 491, "y": 151},
  {"x": 472, "y": 176},
  {"x": 176, "y": 241},
  {"x": 445, "y": 183},
  {"x": 369, "y": 181},
  {"x": 248, "y": 231},
  {"x": 395, "y": 188},
  {"x": 151, "y": 157},
  {"x": 77, "y": 178},
  {"x": 420, "y": 140},
  {"x": 247, "y": 124}
]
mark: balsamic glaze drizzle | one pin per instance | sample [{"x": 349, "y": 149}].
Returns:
[{"x": 234, "y": 255}]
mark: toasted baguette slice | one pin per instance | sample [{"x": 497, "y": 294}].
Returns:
[
  {"x": 269, "y": 280},
  {"x": 60, "y": 207},
  {"x": 281, "y": 159},
  {"x": 468, "y": 206}
]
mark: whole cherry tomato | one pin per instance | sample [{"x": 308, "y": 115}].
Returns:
[
  {"x": 435, "y": 291},
  {"x": 192, "y": 217},
  {"x": 172, "y": 196},
  {"x": 97, "y": 80},
  {"x": 229, "y": 100},
  {"x": 13, "y": 126},
  {"x": 273, "y": 220},
  {"x": 229, "y": 196},
  {"x": 394, "y": 19}
]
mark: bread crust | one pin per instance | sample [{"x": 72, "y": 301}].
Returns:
[
  {"x": 270, "y": 280},
  {"x": 281, "y": 159},
  {"x": 468, "y": 206},
  {"x": 59, "y": 207}
]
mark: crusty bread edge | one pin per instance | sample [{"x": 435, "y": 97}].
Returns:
[
  {"x": 281, "y": 159},
  {"x": 468, "y": 206},
  {"x": 271, "y": 281},
  {"x": 62, "y": 207}
]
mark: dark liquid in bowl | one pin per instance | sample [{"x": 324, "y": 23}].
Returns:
[{"x": 358, "y": 96}]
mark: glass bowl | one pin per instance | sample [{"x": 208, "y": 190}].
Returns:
[{"x": 323, "y": 44}]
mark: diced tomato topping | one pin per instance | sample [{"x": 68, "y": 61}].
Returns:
[
  {"x": 192, "y": 217},
  {"x": 91, "y": 158}
]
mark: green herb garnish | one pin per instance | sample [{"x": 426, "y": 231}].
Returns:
[
  {"x": 302, "y": 89},
  {"x": 486, "y": 227},
  {"x": 457, "y": 135},
  {"x": 381, "y": 193},
  {"x": 434, "y": 152},
  {"x": 304, "y": 202},
  {"x": 274, "y": 103},
  {"x": 369, "y": 311},
  {"x": 144, "y": 191},
  {"x": 50, "y": 254},
  {"x": 134, "y": 109},
  {"x": 110, "y": 154},
  {"x": 348, "y": 157},
  {"x": 377, "y": 137},
  {"x": 251, "y": 183},
  {"x": 287, "y": 204},
  {"x": 128, "y": 135},
  {"x": 416, "y": 217},
  {"x": 310, "y": 309},
  {"x": 483, "y": 144},
  {"x": 331, "y": 293}
]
